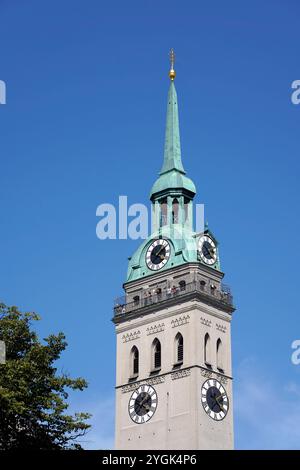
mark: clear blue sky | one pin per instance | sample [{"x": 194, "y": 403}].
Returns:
[{"x": 84, "y": 123}]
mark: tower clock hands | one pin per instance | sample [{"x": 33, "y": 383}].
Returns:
[
  {"x": 205, "y": 250},
  {"x": 159, "y": 251},
  {"x": 217, "y": 398},
  {"x": 208, "y": 250},
  {"x": 143, "y": 403},
  {"x": 211, "y": 251}
]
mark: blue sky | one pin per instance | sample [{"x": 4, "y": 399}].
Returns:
[{"x": 84, "y": 123}]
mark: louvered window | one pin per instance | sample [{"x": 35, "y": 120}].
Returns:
[
  {"x": 207, "y": 350},
  {"x": 135, "y": 360},
  {"x": 220, "y": 353},
  {"x": 179, "y": 348},
  {"x": 157, "y": 354}
]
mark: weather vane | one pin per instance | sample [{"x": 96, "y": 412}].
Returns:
[{"x": 172, "y": 73}]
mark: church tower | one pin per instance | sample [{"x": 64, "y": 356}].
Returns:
[{"x": 173, "y": 378}]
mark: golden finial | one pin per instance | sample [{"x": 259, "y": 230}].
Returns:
[{"x": 172, "y": 73}]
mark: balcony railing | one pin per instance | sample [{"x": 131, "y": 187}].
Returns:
[{"x": 223, "y": 295}]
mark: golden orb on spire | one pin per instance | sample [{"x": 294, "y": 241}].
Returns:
[{"x": 172, "y": 73}]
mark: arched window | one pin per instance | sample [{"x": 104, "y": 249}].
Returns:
[
  {"x": 134, "y": 361},
  {"x": 163, "y": 212},
  {"x": 175, "y": 210},
  {"x": 186, "y": 209},
  {"x": 179, "y": 348},
  {"x": 220, "y": 364},
  {"x": 156, "y": 354},
  {"x": 136, "y": 300},
  {"x": 207, "y": 350}
]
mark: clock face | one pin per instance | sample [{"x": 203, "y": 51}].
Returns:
[
  {"x": 214, "y": 399},
  {"x": 142, "y": 404},
  {"x": 158, "y": 254},
  {"x": 207, "y": 250}
]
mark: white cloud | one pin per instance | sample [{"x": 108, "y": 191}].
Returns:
[{"x": 267, "y": 413}]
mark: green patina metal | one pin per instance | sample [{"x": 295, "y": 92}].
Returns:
[
  {"x": 172, "y": 174},
  {"x": 183, "y": 250},
  {"x": 172, "y": 154},
  {"x": 172, "y": 183},
  {"x": 172, "y": 180}
]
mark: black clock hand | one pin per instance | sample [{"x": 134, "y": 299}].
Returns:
[
  {"x": 218, "y": 402},
  {"x": 209, "y": 251},
  {"x": 140, "y": 401},
  {"x": 158, "y": 253},
  {"x": 215, "y": 403},
  {"x": 161, "y": 247},
  {"x": 138, "y": 406},
  {"x": 141, "y": 404},
  {"x": 206, "y": 252},
  {"x": 212, "y": 252},
  {"x": 143, "y": 400}
]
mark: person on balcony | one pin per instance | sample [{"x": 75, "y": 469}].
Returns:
[
  {"x": 174, "y": 290},
  {"x": 158, "y": 293}
]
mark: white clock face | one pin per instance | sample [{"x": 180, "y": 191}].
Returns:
[
  {"x": 158, "y": 254},
  {"x": 214, "y": 399},
  {"x": 207, "y": 250},
  {"x": 142, "y": 404}
]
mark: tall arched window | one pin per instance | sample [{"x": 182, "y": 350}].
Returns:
[
  {"x": 186, "y": 209},
  {"x": 220, "y": 364},
  {"x": 134, "y": 361},
  {"x": 164, "y": 212},
  {"x": 156, "y": 354},
  {"x": 207, "y": 350},
  {"x": 179, "y": 348},
  {"x": 175, "y": 211}
]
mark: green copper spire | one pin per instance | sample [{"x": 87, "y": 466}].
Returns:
[
  {"x": 172, "y": 174},
  {"x": 172, "y": 155},
  {"x": 172, "y": 205}
]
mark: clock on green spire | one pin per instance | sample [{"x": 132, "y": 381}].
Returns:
[{"x": 173, "y": 241}]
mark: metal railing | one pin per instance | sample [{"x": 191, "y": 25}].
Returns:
[{"x": 223, "y": 295}]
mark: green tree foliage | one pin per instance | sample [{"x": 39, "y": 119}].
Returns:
[{"x": 32, "y": 394}]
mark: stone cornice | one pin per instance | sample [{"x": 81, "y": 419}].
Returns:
[
  {"x": 143, "y": 320},
  {"x": 160, "y": 377},
  {"x": 182, "y": 268}
]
